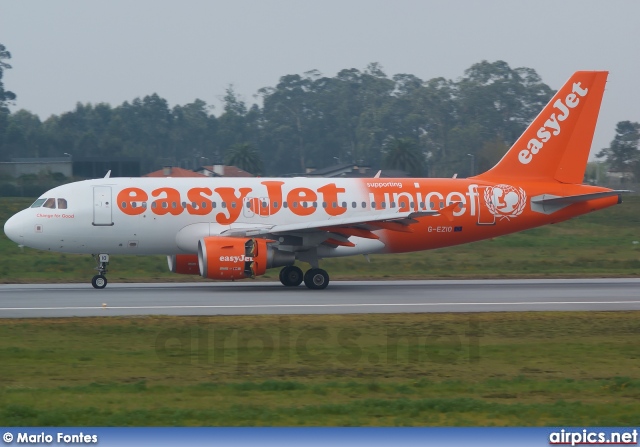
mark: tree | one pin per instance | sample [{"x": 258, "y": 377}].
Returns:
[
  {"x": 232, "y": 123},
  {"x": 5, "y": 99},
  {"x": 403, "y": 154},
  {"x": 306, "y": 120},
  {"x": 623, "y": 154},
  {"x": 5, "y": 95},
  {"x": 242, "y": 155},
  {"x": 291, "y": 114},
  {"x": 193, "y": 132}
]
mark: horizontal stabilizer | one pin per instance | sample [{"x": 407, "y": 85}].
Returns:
[{"x": 548, "y": 203}]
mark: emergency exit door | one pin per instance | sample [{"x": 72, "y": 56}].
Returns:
[{"x": 102, "y": 206}]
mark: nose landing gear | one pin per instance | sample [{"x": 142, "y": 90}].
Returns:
[{"x": 99, "y": 281}]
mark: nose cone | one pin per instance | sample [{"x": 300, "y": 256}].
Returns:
[{"x": 14, "y": 229}]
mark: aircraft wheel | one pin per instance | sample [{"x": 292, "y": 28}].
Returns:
[
  {"x": 291, "y": 276},
  {"x": 99, "y": 282},
  {"x": 316, "y": 279}
]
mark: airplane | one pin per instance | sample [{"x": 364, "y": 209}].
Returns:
[{"x": 231, "y": 229}]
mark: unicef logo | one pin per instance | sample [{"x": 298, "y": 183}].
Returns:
[{"x": 505, "y": 201}]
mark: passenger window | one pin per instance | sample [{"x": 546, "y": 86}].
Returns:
[
  {"x": 62, "y": 204},
  {"x": 50, "y": 203},
  {"x": 275, "y": 205},
  {"x": 284, "y": 204},
  {"x": 354, "y": 204},
  {"x": 38, "y": 203},
  {"x": 344, "y": 204},
  {"x": 364, "y": 204}
]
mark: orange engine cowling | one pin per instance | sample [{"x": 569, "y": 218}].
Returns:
[
  {"x": 184, "y": 264},
  {"x": 238, "y": 258}
]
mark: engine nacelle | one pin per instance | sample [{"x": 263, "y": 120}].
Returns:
[
  {"x": 184, "y": 264},
  {"x": 238, "y": 258}
]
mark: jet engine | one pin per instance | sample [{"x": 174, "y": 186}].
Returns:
[
  {"x": 238, "y": 258},
  {"x": 184, "y": 264}
]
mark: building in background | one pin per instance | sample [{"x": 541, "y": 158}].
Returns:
[
  {"x": 76, "y": 167},
  {"x": 350, "y": 170},
  {"x": 173, "y": 171},
  {"x": 35, "y": 166},
  {"x": 223, "y": 171}
]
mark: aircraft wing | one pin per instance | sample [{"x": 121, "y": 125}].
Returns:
[
  {"x": 373, "y": 222},
  {"x": 360, "y": 226}
]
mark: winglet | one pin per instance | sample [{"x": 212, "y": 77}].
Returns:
[
  {"x": 108, "y": 174},
  {"x": 448, "y": 210}
]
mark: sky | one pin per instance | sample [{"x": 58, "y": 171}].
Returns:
[{"x": 70, "y": 51}]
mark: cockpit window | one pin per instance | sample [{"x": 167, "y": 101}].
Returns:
[
  {"x": 38, "y": 203},
  {"x": 50, "y": 203},
  {"x": 62, "y": 204}
]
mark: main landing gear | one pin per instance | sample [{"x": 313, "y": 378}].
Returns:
[
  {"x": 99, "y": 281},
  {"x": 315, "y": 278}
]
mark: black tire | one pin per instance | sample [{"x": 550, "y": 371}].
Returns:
[
  {"x": 291, "y": 276},
  {"x": 99, "y": 282},
  {"x": 316, "y": 279}
]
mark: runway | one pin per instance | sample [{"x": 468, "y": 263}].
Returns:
[{"x": 341, "y": 297}]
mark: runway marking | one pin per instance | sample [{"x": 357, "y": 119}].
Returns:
[{"x": 268, "y": 306}]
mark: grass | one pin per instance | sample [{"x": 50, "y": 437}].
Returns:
[
  {"x": 598, "y": 244},
  {"x": 503, "y": 369}
]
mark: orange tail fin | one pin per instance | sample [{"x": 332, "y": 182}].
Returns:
[{"x": 557, "y": 143}]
